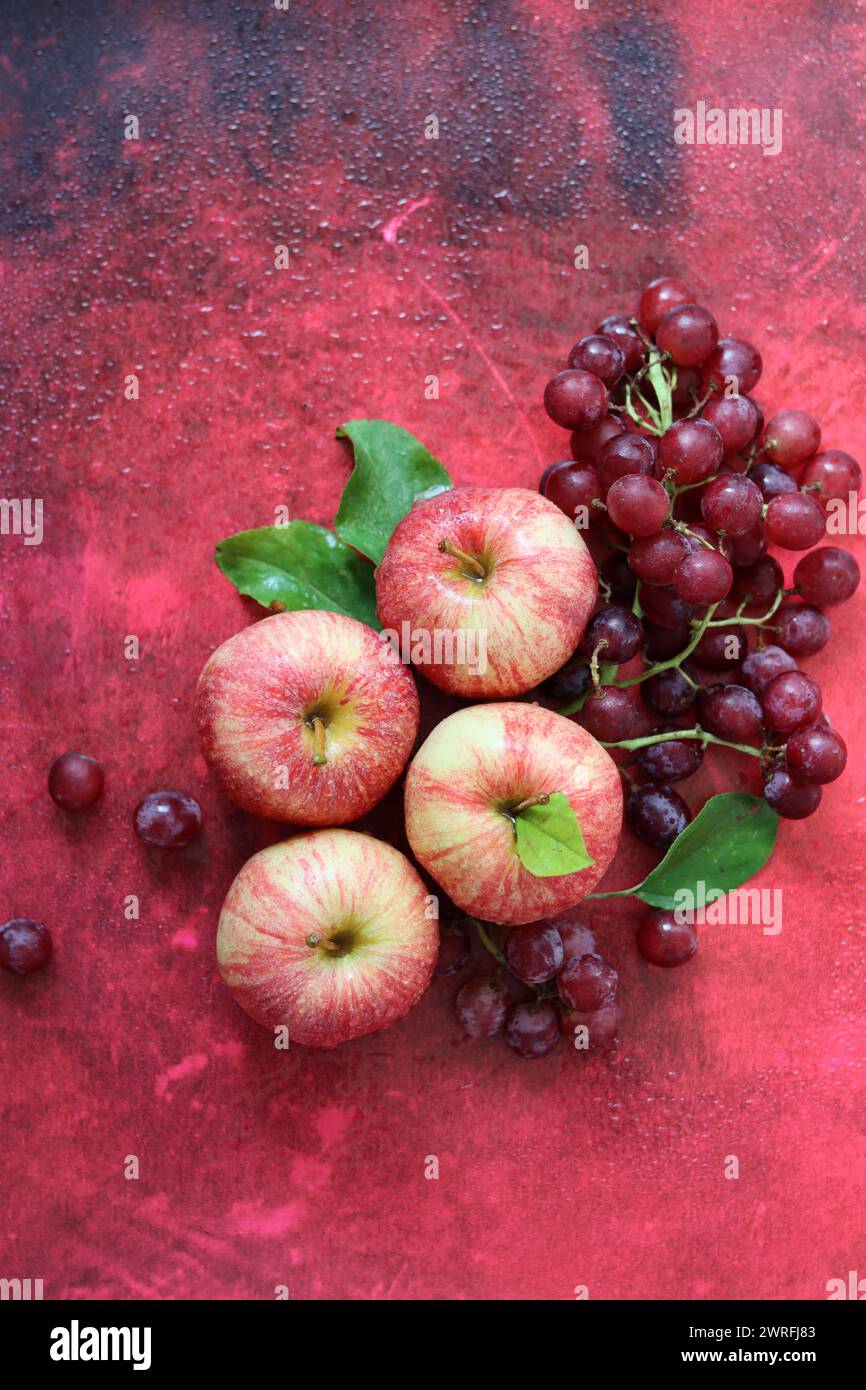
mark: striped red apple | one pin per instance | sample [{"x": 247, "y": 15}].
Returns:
[
  {"x": 330, "y": 934},
  {"x": 305, "y": 718},
  {"x": 463, "y": 788},
  {"x": 501, "y": 575}
]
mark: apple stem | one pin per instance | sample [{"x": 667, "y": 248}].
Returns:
[
  {"x": 318, "y": 742},
  {"x": 532, "y": 801},
  {"x": 448, "y": 548},
  {"x": 314, "y": 939}
]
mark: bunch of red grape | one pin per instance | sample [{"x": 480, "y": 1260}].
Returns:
[
  {"x": 681, "y": 488},
  {"x": 551, "y": 982}
]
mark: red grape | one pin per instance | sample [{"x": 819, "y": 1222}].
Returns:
[
  {"x": 836, "y": 473},
  {"x": 721, "y": 648},
  {"x": 802, "y": 630},
  {"x": 586, "y": 982},
  {"x": 622, "y": 455},
  {"x": 482, "y": 1007},
  {"x": 659, "y": 296},
  {"x": 657, "y": 814},
  {"x": 669, "y": 693},
  {"x": 664, "y": 607},
  {"x": 576, "y": 400},
  {"x": 600, "y": 354},
  {"x": 793, "y": 800},
  {"x": 167, "y": 819},
  {"x": 733, "y": 357},
  {"x": 772, "y": 480},
  {"x": 662, "y": 940},
  {"x": 570, "y": 681},
  {"x": 618, "y": 630},
  {"x": 75, "y": 781},
  {"x": 602, "y": 1025},
  {"x": 827, "y": 576},
  {"x": 586, "y": 444},
  {"x": 577, "y": 938},
  {"x": 533, "y": 1029},
  {"x": 791, "y": 701},
  {"x": 760, "y": 667},
  {"x": 693, "y": 449},
  {"x": 791, "y": 437},
  {"x": 730, "y": 711},
  {"x": 746, "y": 550},
  {"x": 758, "y": 583},
  {"x": 672, "y": 760},
  {"x": 25, "y": 945},
  {"x": 654, "y": 558},
  {"x": 534, "y": 952},
  {"x": 816, "y": 755},
  {"x": 688, "y": 333},
  {"x": 703, "y": 577},
  {"x": 795, "y": 521},
  {"x": 571, "y": 485},
  {"x": 454, "y": 947},
  {"x": 624, "y": 332},
  {"x": 637, "y": 504},
  {"x": 732, "y": 504},
  {"x": 612, "y": 714},
  {"x": 736, "y": 418}
]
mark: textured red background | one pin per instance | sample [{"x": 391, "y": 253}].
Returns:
[{"x": 257, "y": 128}]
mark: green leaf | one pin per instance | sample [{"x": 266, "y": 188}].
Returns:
[
  {"x": 299, "y": 566},
  {"x": 550, "y": 840},
  {"x": 729, "y": 841},
  {"x": 392, "y": 469}
]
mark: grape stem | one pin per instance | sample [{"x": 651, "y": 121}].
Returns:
[
  {"x": 488, "y": 943},
  {"x": 697, "y": 732}
]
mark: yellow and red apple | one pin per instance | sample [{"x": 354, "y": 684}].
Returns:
[
  {"x": 331, "y": 934},
  {"x": 492, "y": 586},
  {"x": 306, "y": 717}
]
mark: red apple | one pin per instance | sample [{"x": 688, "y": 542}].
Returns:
[
  {"x": 306, "y": 717},
  {"x": 474, "y": 768},
  {"x": 488, "y": 589},
  {"x": 331, "y": 934}
]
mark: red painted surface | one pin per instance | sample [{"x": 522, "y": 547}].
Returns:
[{"x": 407, "y": 257}]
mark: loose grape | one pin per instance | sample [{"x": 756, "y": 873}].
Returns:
[
  {"x": 25, "y": 945},
  {"x": 533, "y": 1030},
  {"x": 662, "y": 940},
  {"x": 167, "y": 819},
  {"x": 75, "y": 781}
]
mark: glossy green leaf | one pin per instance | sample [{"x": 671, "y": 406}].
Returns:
[
  {"x": 392, "y": 469},
  {"x": 727, "y": 842},
  {"x": 299, "y": 566},
  {"x": 550, "y": 840}
]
